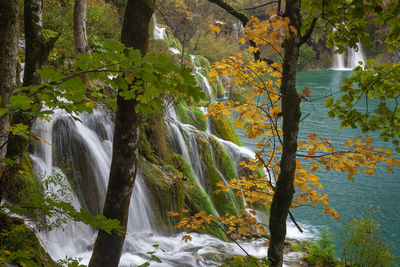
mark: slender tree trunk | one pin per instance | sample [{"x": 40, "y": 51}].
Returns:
[
  {"x": 34, "y": 54},
  {"x": 80, "y": 37},
  {"x": 291, "y": 116},
  {"x": 8, "y": 68},
  {"x": 108, "y": 248}
]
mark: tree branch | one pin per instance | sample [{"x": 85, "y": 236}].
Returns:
[{"x": 304, "y": 38}]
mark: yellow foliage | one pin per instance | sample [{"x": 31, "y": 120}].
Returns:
[{"x": 259, "y": 119}]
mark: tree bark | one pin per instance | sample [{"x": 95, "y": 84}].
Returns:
[
  {"x": 8, "y": 67},
  {"x": 108, "y": 248},
  {"x": 34, "y": 54},
  {"x": 80, "y": 37},
  {"x": 284, "y": 189}
]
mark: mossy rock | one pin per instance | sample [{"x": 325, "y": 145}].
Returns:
[
  {"x": 22, "y": 183},
  {"x": 191, "y": 115},
  {"x": 166, "y": 193},
  {"x": 224, "y": 202},
  {"x": 223, "y": 128},
  {"x": 171, "y": 193},
  {"x": 224, "y": 164},
  {"x": 19, "y": 244}
]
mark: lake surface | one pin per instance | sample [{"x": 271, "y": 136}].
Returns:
[{"x": 348, "y": 198}]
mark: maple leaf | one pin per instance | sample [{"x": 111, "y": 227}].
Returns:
[
  {"x": 252, "y": 49},
  {"x": 186, "y": 238},
  {"x": 306, "y": 91}
]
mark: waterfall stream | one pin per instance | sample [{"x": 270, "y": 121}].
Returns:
[
  {"x": 353, "y": 58},
  {"x": 80, "y": 153}
]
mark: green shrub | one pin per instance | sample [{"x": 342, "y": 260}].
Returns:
[
  {"x": 322, "y": 251},
  {"x": 362, "y": 243}
]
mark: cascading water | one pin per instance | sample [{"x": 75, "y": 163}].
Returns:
[
  {"x": 353, "y": 58},
  {"x": 85, "y": 148},
  {"x": 201, "y": 79},
  {"x": 159, "y": 33}
]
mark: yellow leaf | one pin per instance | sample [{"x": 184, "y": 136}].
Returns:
[
  {"x": 186, "y": 238},
  {"x": 213, "y": 28},
  {"x": 46, "y": 118},
  {"x": 212, "y": 73},
  {"x": 90, "y": 104},
  {"x": 129, "y": 78},
  {"x": 20, "y": 171},
  {"x": 241, "y": 40},
  {"x": 252, "y": 49}
]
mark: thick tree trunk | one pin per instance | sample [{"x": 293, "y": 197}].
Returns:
[
  {"x": 8, "y": 67},
  {"x": 108, "y": 248},
  {"x": 80, "y": 37},
  {"x": 291, "y": 116}
]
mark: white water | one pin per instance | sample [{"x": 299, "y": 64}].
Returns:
[
  {"x": 159, "y": 33},
  {"x": 93, "y": 135},
  {"x": 201, "y": 79},
  {"x": 353, "y": 58}
]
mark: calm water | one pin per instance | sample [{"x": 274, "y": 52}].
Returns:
[{"x": 348, "y": 198}]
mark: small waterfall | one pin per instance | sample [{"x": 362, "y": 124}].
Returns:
[
  {"x": 237, "y": 28},
  {"x": 201, "y": 79},
  {"x": 353, "y": 58},
  {"x": 159, "y": 33}
]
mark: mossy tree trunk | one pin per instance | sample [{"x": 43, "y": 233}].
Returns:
[
  {"x": 108, "y": 247},
  {"x": 284, "y": 189},
  {"x": 8, "y": 68},
  {"x": 80, "y": 37},
  {"x": 37, "y": 50}
]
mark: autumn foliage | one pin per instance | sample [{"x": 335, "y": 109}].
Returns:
[{"x": 260, "y": 120}]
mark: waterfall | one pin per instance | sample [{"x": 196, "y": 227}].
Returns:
[
  {"x": 81, "y": 155},
  {"x": 84, "y": 148},
  {"x": 201, "y": 79},
  {"x": 159, "y": 33},
  {"x": 353, "y": 58}
]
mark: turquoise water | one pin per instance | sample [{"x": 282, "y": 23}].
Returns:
[{"x": 348, "y": 198}]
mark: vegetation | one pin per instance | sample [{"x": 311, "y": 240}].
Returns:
[
  {"x": 270, "y": 48},
  {"x": 362, "y": 243}
]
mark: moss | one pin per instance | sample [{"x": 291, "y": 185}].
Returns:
[
  {"x": 166, "y": 193},
  {"x": 191, "y": 115},
  {"x": 169, "y": 193},
  {"x": 157, "y": 135},
  {"x": 182, "y": 112},
  {"x": 23, "y": 183},
  {"x": 144, "y": 146},
  {"x": 223, "y": 128},
  {"x": 225, "y": 165},
  {"x": 224, "y": 202},
  {"x": 20, "y": 245}
]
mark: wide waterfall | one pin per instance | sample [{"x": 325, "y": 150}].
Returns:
[{"x": 79, "y": 151}]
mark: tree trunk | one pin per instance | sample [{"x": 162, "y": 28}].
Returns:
[
  {"x": 291, "y": 116},
  {"x": 80, "y": 37},
  {"x": 34, "y": 54},
  {"x": 108, "y": 248},
  {"x": 8, "y": 67}
]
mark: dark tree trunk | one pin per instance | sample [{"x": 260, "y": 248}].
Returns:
[
  {"x": 80, "y": 37},
  {"x": 8, "y": 67},
  {"x": 35, "y": 57},
  {"x": 37, "y": 50},
  {"x": 291, "y": 116},
  {"x": 108, "y": 248}
]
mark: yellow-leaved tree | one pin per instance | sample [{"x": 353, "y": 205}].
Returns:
[{"x": 272, "y": 116}]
